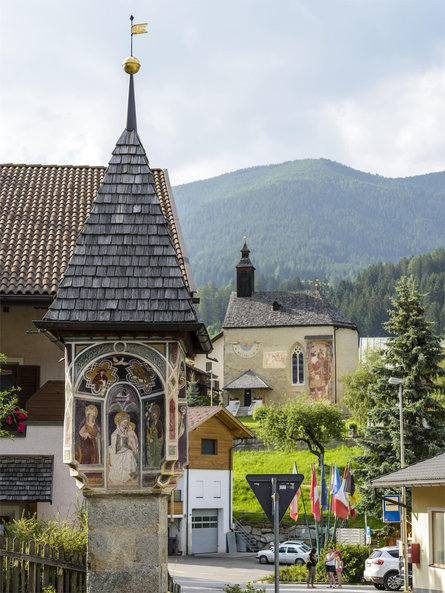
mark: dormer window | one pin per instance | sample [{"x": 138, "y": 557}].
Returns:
[{"x": 297, "y": 366}]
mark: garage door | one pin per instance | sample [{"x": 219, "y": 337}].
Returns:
[{"x": 204, "y": 530}]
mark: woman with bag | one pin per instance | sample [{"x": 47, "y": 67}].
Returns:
[{"x": 310, "y": 565}]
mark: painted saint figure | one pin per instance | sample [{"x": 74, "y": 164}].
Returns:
[
  {"x": 154, "y": 435},
  {"x": 88, "y": 448},
  {"x": 123, "y": 451}
]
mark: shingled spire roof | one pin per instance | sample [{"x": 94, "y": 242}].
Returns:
[{"x": 124, "y": 271}]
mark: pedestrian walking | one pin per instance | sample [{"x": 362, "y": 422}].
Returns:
[
  {"x": 330, "y": 566},
  {"x": 310, "y": 565},
  {"x": 338, "y": 567}
]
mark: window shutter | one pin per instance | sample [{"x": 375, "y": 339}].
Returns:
[{"x": 28, "y": 379}]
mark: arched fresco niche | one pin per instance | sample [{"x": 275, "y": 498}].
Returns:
[{"x": 123, "y": 420}]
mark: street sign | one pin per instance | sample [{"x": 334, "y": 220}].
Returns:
[
  {"x": 368, "y": 534},
  {"x": 391, "y": 509},
  {"x": 287, "y": 486}
]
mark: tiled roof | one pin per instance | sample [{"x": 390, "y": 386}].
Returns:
[
  {"x": 43, "y": 208},
  {"x": 430, "y": 472},
  {"x": 26, "y": 477},
  {"x": 248, "y": 380},
  {"x": 124, "y": 267},
  {"x": 199, "y": 414},
  {"x": 281, "y": 309}
]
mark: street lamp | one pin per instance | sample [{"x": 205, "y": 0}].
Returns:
[{"x": 403, "y": 526}]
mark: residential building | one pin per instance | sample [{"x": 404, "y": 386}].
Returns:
[
  {"x": 426, "y": 480},
  {"x": 202, "y": 506}
]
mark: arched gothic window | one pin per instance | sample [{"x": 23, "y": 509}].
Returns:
[{"x": 297, "y": 366}]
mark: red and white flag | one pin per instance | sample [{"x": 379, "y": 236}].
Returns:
[
  {"x": 340, "y": 502},
  {"x": 315, "y": 501},
  {"x": 293, "y": 509}
]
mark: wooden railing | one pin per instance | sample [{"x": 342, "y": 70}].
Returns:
[{"x": 29, "y": 567}]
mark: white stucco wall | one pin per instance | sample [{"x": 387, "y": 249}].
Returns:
[
  {"x": 426, "y": 578},
  {"x": 47, "y": 440},
  {"x": 33, "y": 349},
  {"x": 200, "y": 493}
]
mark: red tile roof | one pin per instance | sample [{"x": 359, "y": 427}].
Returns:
[{"x": 43, "y": 208}]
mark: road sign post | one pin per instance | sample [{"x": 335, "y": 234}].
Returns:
[{"x": 275, "y": 493}]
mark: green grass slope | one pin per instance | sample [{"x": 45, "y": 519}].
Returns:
[{"x": 278, "y": 462}]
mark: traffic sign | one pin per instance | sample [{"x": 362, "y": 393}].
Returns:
[
  {"x": 391, "y": 509},
  {"x": 287, "y": 486}
]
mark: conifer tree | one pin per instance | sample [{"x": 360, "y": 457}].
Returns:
[
  {"x": 413, "y": 354},
  {"x": 193, "y": 396}
]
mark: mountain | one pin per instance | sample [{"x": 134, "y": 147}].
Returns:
[{"x": 308, "y": 218}]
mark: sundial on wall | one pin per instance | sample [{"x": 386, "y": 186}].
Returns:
[{"x": 246, "y": 349}]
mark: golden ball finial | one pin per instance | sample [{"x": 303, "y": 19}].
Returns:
[{"x": 131, "y": 65}]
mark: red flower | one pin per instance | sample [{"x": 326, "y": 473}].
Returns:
[
  {"x": 9, "y": 420},
  {"x": 20, "y": 427},
  {"x": 21, "y": 416}
]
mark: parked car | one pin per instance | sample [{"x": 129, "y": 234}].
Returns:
[
  {"x": 382, "y": 569},
  {"x": 295, "y": 553},
  {"x": 292, "y": 543}
]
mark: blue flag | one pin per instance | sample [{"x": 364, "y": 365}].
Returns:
[
  {"x": 324, "y": 489},
  {"x": 336, "y": 483}
]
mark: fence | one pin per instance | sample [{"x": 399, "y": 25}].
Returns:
[{"x": 29, "y": 567}]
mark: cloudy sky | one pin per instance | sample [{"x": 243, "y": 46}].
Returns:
[{"x": 227, "y": 85}]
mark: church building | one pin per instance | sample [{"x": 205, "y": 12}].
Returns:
[{"x": 281, "y": 344}]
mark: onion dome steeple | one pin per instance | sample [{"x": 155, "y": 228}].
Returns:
[{"x": 245, "y": 273}]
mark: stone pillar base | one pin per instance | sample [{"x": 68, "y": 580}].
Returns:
[{"x": 127, "y": 543}]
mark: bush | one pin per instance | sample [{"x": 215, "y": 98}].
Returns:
[
  {"x": 71, "y": 534},
  {"x": 353, "y": 556}
]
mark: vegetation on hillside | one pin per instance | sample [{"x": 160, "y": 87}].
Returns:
[
  {"x": 365, "y": 300},
  {"x": 308, "y": 218}
]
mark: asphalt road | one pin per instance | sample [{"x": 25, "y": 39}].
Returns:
[{"x": 208, "y": 573}]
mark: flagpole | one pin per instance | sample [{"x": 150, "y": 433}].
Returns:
[
  {"x": 326, "y": 539},
  {"x": 305, "y": 514},
  {"x": 131, "y": 34}
]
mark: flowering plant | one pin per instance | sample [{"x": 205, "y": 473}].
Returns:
[{"x": 12, "y": 418}]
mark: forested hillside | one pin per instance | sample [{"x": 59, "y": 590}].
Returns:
[
  {"x": 365, "y": 300},
  {"x": 308, "y": 218}
]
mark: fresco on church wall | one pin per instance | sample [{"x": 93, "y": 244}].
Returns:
[
  {"x": 182, "y": 435},
  {"x": 319, "y": 356},
  {"x": 122, "y": 417}
]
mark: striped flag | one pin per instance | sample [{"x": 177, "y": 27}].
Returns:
[
  {"x": 351, "y": 490},
  {"x": 340, "y": 502},
  {"x": 315, "y": 501},
  {"x": 293, "y": 509}
]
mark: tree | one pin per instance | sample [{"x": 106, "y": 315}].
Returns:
[
  {"x": 303, "y": 420},
  {"x": 357, "y": 393},
  {"x": 193, "y": 396},
  {"x": 413, "y": 354}
]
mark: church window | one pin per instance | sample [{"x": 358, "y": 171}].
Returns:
[{"x": 297, "y": 366}]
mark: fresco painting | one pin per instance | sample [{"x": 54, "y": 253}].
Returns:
[
  {"x": 182, "y": 436},
  {"x": 154, "y": 432},
  {"x": 319, "y": 355},
  {"x": 121, "y": 428},
  {"x": 123, "y": 452},
  {"x": 274, "y": 360},
  {"x": 88, "y": 432}
]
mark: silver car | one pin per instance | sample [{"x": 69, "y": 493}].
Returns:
[
  {"x": 287, "y": 554},
  {"x": 382, "y": 568}
]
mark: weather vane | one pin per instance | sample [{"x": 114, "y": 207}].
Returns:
[
  {"x": 131, "y": 64},
  {"x": 136, "y": 30}
]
